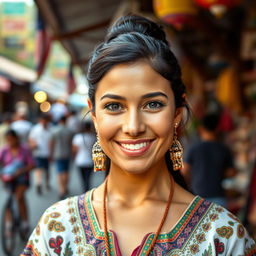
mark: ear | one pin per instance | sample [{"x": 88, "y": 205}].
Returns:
[
  {"x": 178, "y": 115},
  {"x": 92, "y": 113}
]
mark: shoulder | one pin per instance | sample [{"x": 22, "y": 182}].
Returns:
[
  {"x": 56, "y": 219},
  {"x": 225, "y": 231}
]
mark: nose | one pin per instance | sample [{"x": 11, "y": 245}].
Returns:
[{"x": 133, "y": 123}]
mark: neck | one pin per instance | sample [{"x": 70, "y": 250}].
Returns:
[{"x": 133, "y": 189}]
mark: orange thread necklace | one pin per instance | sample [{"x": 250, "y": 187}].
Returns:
[{"x": 106, "y": 238}]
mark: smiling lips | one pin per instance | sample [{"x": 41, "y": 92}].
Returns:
[{"x": 135, "y": 148}]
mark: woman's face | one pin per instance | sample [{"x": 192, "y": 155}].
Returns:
[
  {"x": 12, "y": 141},
  {"x": 134, "y": 116}
]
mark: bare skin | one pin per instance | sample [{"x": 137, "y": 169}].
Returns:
[{"x": 134, "y": 105}]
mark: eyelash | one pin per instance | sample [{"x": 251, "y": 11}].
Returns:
[
  {"x": 111, "y": 104},
  {"x": 108, "y": 106},
  {"x": 159, "y": 103}
]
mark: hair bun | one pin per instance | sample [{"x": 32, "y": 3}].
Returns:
[{"x": 134, "y": 23}]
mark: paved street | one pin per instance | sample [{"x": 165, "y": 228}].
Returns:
[{"x": 38, "y": 204}]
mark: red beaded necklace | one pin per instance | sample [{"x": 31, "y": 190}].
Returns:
[{"x": 158, "y": 229}]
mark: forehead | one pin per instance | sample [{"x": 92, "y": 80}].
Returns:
[{"x": 129, "y": 78}]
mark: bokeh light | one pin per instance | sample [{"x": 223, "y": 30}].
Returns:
[
  {"x": 40, "y": 96},
  {"x": 45, "y": 106}
]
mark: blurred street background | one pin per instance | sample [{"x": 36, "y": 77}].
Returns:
[{"x": 44, "y": 48}]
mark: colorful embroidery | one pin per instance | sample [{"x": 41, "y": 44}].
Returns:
[
  {"x": 214, "y": 216},
  {"x": 219, "y": 246},
  {"x": 240, "y": 231},
  {"x": 207, "y": 226},
  {"x": 30, "y": 250},
  {"x": 56, "y": 226},
  {"x": 208, "y": 252},
  {"x": 200, "y": 231},
  {"x": 38, "y": 230},
  {"x": 200, "y": 238},
  {"x": 194, "y": 248},
  {"x": 55, "y": 243},
  {"x": 55, "y": 215},
  {"x": 68, "y": 251},
  {"x": 225, "y": 232}
]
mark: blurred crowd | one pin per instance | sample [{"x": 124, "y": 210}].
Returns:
[
  {"x": 59, "y": 139},
  {"x": 219, "y": 160}
]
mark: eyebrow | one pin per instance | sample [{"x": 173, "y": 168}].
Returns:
[{"x": 145, "y": 96}]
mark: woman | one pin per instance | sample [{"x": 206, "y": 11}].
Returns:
[
  {"x": 136, "y": 102},
  {"x": 82, "y": 144},
  {"x": 17, "y": 161}
]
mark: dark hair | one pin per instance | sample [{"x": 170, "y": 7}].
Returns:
[
  {"x": 63, "y": 119},
  {"x": 12, "y": 133},
  {"x": 210, "y": 122},
  {"x": 45, "y": 116},
  {"x": 133, "y": 38},
  {"x": 86, "y": 126}
]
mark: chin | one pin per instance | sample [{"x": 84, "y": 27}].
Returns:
[{"x": 136, "y": 168}]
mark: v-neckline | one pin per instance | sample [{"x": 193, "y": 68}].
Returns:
[{"x": 174, "y": 232}]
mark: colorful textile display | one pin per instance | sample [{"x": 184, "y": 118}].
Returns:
[
  {"x": 217, "y": 7},
  {"x": 175, "y": 12},
  {"x": 228, "y": 90}
]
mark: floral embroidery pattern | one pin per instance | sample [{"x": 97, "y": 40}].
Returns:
[
  {"x": 200, "y": 237},
  {"x": 56, "y": 226},
  {"x": 68, "y": 251},
  {"x": 207, "y": 226},
  {"x": 208, "y": 252},
  {"x": 194, "y": 248},
  {"x": 225, "y": 232},
  {"x": 55, "y": 243},
  {"x": 219, "y": 246},
  {"x": 38, "y": 230},
  {"x": 240, "y": 231},
  {"x": 203, "y": 230}
]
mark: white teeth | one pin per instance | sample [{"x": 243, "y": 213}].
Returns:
[{"x": 134, "y": 146}]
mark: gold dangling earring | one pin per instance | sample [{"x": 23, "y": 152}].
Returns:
[
  {"x": 176, "y": 152},
  {"x": 99, "y": 157}
]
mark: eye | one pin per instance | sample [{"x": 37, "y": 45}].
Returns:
[
  {"x": 113, "y": 107},
  {"x": 154, "y": 105}
]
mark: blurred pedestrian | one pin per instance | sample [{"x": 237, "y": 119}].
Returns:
[
  {"x": 82, "y": 149},
  {"x": 4, "y": 127},
  {"x": 60, "y": 150},
  {"x": 73, "y": 121},
  {"x": 21, "y": 126},
  {"x": 39, "y": 141},
  {"x": 58, "y": 110},
  {"x": 208, "y": 162},
  {"x": 16, "y": 160}
]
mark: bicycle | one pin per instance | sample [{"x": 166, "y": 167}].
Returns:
[{"x": 10, "y": 221}]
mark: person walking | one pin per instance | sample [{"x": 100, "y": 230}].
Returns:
[
  {"x": 21, "y": 126},
  {"x": 82, "y": 147},
  {"x": 208, "y": 162},
  {"x": 60, "y": 151},
  {"x": 16, "y": 161},
  {"x": 39, "y": 141}
]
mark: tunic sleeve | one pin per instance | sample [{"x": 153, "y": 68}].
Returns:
[
  {"x": 49, "y": 236},
  {"x": 37, "y": 243},
  {"x": 231, "y": 237}
]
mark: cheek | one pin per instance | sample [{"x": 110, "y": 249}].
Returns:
[
  {"x": 162, "y": 124},
  {"x": 107, "y": 125}
]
